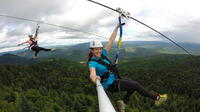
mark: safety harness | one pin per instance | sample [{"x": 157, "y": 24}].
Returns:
[
  {"x": 34, "y": 42},
  {"x": 112, "y": 69}
]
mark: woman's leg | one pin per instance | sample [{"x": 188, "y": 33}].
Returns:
[
  {"x": 44, "y": 49},
  {"x": 36, "y": 49},
  {"x": 36, "y": 52},
  {"x": 130, "y": 86}
]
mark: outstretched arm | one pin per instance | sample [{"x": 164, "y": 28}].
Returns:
[
  {"x": 112, "y": 39},
  {"x": 93, "y": 76},
  {"x": 36, "y": 32},
  {"x": 23, "y": 43}
]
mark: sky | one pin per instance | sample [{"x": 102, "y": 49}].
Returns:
[{"x": 177, "y": 19}]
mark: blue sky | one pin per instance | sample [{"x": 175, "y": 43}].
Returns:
[{"x": 178, "y": 19}]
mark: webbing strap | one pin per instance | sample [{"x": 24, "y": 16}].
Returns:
[
  {"x": 37, "y": 30},
  {"x": 108, "y": 66},
  {"x": 119, "y": 41},
  {"x": 100, "y": 61}
]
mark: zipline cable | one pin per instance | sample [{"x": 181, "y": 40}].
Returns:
[
  {"x": 142, "y": 24},
  {"x": 41, "y": 22}
]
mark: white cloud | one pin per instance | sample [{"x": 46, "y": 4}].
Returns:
[{"x": 175, "y": 18}]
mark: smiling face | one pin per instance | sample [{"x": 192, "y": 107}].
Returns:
[{"x": 97, "y": 52}]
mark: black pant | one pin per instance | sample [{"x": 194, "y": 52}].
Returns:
[
  {"x": 130, "y": 86},
  {"x": 37, "y": 49}
]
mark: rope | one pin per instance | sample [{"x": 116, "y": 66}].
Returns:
[{"x": 41, "y": 22}]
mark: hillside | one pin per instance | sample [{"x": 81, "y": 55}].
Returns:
[
  {"x": 61, "y": 85},
  {"x": 129, "y": 49},
  {"x": 12, "y": 59}
]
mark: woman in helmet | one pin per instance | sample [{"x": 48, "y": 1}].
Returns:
[
  {"x": 101, "y": 68},
  {"x": 33, "y": 43}
]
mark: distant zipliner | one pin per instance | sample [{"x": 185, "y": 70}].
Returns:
[{"x": 33, "y": 41}]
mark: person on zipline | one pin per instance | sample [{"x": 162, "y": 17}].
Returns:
[
  {"x": 101, "y": 68},
  {"x": 33, "y": 43}
]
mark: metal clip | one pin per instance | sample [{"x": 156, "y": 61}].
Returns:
[{"x": 123, "y": 12}]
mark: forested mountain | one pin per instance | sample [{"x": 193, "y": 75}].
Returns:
[
  {"x": 129, "y": 49},
  {"x": 11, "y": 59},
  {"x": 60, "y": 85}
]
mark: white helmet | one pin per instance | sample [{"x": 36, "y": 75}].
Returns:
[{"x": 94, "y": 44}]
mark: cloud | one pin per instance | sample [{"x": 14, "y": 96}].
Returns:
[
  {"x": 34, "y": 8},
  {"x": 178, "y": 19},
  {"x": 188, "y": 32}
]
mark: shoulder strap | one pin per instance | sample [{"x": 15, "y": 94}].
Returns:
[
  {"x": 33, "y": 41},
  {"x": 105, "y": 57},
  {"x": 100, "y": 61},
  {"x": 110, "y": 67}
]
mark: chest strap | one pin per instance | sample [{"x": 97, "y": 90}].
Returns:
[{"x": 110, "y": 67}]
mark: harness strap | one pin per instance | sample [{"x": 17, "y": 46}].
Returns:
[
  {"x": 100, "y": 61},
  {"x": 37, "y": 30},
  {"x": 119, "y": 41},
  {"x": 34, "y": 43},
  {"x": 104, "y": 57},
  {"x": 110, "y": 67}
]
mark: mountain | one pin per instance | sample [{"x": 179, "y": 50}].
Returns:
[
  {"x": 15, "y": 59},
  {"x": 129, "y": 49},
  {"x": 11, "y": 59}
]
